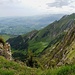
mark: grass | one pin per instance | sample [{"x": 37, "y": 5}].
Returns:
[
  {"x": 64, "y": 70},
  {"x": 70, "y": 53},
  {"x": 37, "y": 47},
  {"x": 14, "y": 68},
  {"x": 6, "y": 36}
]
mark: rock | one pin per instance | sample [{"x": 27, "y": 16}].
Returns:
[
  {"x": 60, "y": 64},
  {"x": 1, "y": 49},
  {"x": 1, "y": 45},
  {"x": 5, "y": 50},
  {"x": 1, "y": 52}
]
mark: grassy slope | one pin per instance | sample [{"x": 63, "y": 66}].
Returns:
[
  {"x": 6, "y": 36},
  {"x": 13, "y": 68},
  {"x": 63, "y": 51},
  {"x": 44, "y": 37}
]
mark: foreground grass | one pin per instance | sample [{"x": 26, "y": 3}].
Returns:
[
  {"x": 64, "y": 70},
  {"x": 13, "y": 68}
]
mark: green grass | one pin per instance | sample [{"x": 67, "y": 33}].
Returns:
[
  {"x": 37, "y": 47},
  {"x": 6, "y": 36},
  {"x": 64, "y": 70},
  {"x": 14, "y": 68}
]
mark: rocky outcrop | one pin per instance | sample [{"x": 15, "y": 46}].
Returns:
[{"x": 5, "y": 50}]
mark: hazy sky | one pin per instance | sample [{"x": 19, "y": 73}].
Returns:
[{"x": 35, "y": 7}]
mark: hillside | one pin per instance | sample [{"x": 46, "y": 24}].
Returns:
[
  {"x": 14, "y": 68},
  {"x": 49, "y": 51},
  {"x": 37, "y": 41},
  {"x": 62, "y": 53}
]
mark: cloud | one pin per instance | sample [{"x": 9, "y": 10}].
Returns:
[
  {"x": 60, "y": 3},
  {"x": 36, "y": 7}
]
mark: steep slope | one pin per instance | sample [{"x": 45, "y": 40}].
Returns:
[
  {"x": 63, "y": 52},
  {"x": 56, "y": 28},
  {"x": 21, "y": 41},
  {"x": 43, "y": 38},
  {"x": 14, "y": 68}
]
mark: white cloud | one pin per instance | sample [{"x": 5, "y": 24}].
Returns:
[{"x": 35, "y": 7}]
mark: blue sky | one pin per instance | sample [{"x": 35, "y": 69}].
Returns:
[{"x": 35, "y": 7}]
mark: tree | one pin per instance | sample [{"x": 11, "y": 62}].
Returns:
[{"x": 31, "y": 60}]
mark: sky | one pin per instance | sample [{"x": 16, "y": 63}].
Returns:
[{"x": 35, "y": 7}]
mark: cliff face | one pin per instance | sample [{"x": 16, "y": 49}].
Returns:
[
  {"x": 5, "y": 50},
  {"x": 62, "y": 53}
]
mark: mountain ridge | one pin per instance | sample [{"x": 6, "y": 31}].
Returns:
[
  {"x": 49, "y": 43},
  {"x": 47, "y": 34}
]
